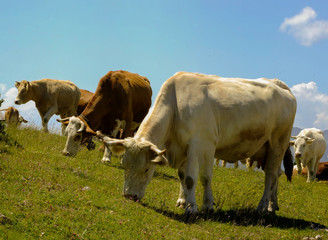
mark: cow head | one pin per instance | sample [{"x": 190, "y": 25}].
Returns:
[
  {"x": 24, "y": 92},
  {"x": 78, "y": 135},
  {"x": 300, "y": 145},
  {"x": 139, "y": 162}
]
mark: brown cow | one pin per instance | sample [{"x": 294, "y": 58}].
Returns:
[
  {"x": 86, "y": 96},
  {"x": 51, "y": 97},
  {"x": 12, "y": 117},
  {"x": 121, "y": 99},
  {"x": 322, "y": 172}
]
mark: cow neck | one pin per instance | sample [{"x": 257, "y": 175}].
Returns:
[
  {"x": 95, "y": 111},
  {"x": 36, "y": 93},
  {"x": 157, "y": 126},
  {"x": 87, "y": 123}
]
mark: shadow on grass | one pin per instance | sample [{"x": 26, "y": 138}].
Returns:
[{"x": 241, "y": 217}]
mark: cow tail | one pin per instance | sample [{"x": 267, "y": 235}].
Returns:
[{"x": 288, "y": 164}]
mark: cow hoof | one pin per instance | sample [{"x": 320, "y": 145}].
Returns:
[
  {"x": 207, "y": 209},
  {"x": 181, "y": 203},
  {"x": 191, "y": 209},
  {"x": 105, "y": 160}
]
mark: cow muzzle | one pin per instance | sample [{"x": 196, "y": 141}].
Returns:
[
  {"x": 65, "y": 153},
  {"x": 132, "y": 197},
  {"x": 17, "y": 102},
  {"x": 298, "y": 155}
]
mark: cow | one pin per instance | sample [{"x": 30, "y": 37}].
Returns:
[
  {"x": 121, "y": 101},
  {"x": 322, "y": 172},
  {"x": 86, "y": 96},
  {"x": 12, "y": 117},
  {"x": 51, "y": 97},
  {"x": 197, "y": 118},
  {"x": 309, "y": 147}
]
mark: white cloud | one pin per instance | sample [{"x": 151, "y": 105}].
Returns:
[
  {"x": 312, "y": 106},
  {"x": 305, "y": 28},
  {"x": 2, "y": 88}
]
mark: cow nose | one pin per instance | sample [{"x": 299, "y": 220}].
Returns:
[
  {"x": 298, "y": 155},
  {"x": 132, "y": 197},
  {"x": 16, "y": 102},
  {"x": 65, "y": 153}
]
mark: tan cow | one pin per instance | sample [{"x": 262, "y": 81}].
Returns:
[
  {"x": 12, "y": 117},
  {"x": 197, "y": 118},
  {"x": 51, "y": 97}
]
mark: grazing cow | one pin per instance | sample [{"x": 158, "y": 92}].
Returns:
[
  {"x": 12, "y": 117},
  {"x": 51, "y": 97},
  {"x": 309, "y": 147},
  {"x": 322, "y": 172},
  {"x": 86, "y": 96},
  {"x": 121, "y": 98},
  {"x": 197, "y": 118}
]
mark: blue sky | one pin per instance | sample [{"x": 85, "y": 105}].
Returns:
[{"x": 82, "y": 40}]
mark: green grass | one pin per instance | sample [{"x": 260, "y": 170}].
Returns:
[{"x": 45, "y": 195}]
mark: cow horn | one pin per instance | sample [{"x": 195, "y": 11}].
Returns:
[
  {"x": 82, "y": 128},
  {"x": 63, "y": 119},
  {"x": 157, "y": 151},
  {"x": 293, "y": 137}
]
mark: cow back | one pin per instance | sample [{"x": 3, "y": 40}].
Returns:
[{"x": 119, "y": 95}]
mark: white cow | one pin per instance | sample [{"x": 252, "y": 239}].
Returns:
[
  {"x": 197, "y": 118},
  {"x": 309, "y": 147}
]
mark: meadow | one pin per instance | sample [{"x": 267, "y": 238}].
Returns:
[{"x": 44, "y": 195}]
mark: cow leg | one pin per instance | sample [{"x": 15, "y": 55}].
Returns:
[
  {"x": 311, "y": 168},
  {"x": 191, "y": 178},
  {"x": 224, "y": 163},
  {"x": 45, "y": 119},
  {"x": 298, "y": 164},
  {"x": 106, "y": 157},
  {"x": 206, "y": 173},
  {"x": 269, "y": 200},
  {"x": 316, "y": 168},
  {"x": 236, "y": 164},
  {"x": 181, "y": 202},
  {"x": 270, "y": 183},
  {"x": 273, "y": 204}
]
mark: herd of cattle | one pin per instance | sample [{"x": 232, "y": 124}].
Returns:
[{"x": 195, "y": 119}]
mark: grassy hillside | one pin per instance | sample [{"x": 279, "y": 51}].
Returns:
[{"x": 45, "y": 195}]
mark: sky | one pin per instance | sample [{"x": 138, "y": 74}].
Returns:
[{"x": 82, "y": 40}]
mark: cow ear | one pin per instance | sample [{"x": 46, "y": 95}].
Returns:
[
  {"x": 160, "y": 159},
  {"x": 309, "y": 140},
  {"x": 28, "y": 85},
  {"x": 291, "y": 143},
  {"x": 17, "y": 84}
]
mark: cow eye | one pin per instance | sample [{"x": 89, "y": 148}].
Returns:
[
  {"x": 77, "y": 138},
  {"x": 146, "y": 170}
]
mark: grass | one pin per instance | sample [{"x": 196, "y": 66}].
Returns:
[{"x": 45, "y": 195}]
